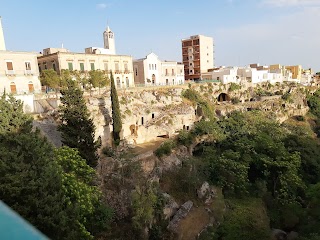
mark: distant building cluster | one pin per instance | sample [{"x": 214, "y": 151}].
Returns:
[{"x": 20, "y": 71}]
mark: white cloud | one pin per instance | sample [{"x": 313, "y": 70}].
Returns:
[
  {"x": 291, "y": 39},
  {"x": 291, "y": 3},
  {"x": 102, "y": 5}
]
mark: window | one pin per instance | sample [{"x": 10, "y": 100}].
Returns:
[
  {"x": 190, "y": 64},
  {"x": 9, "y": 66},
  {"x": 30, "y": 87},
  {"x": 54, "y": 66},
  {"x": 106, "y": 67},
  {"x": 167, "y": 72},
  {"x": 173, "y": 72},
  {"x": 116, "y": 66},
  {"x": 155, "y": 67},
  {"x": 70, "y": 66},
  {"x": 127, "y": 82},
  {"x": 92, "y": 66},
  {"x": 81, "y": 66},
  {"x": 149, "y": 66},
  {"x": 152, "y": 116},
  {"x": 167, "y": 81},
  {"x": 13, "y": 88},
  {"x": 152, "y": 66},
  {"x": 118, "y": 82},
  {"x": 190, "y": 71},
  {"x": 125, "y": 66},
  {"x": 172, "y": 81},
  {"x": 28, "y": 65},
  {"x": 136, "y": 70},
  {"x": 153, "y": 79}
]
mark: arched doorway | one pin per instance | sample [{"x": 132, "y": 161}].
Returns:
[
  {"x": 13, "y": 88},
  {"x": 153, "y": 79},
  {"x": 31, "y": 87},
  {"x": 223, "y": 97}
]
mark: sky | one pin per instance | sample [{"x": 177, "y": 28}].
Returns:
[{"x": 244, "y": 31}]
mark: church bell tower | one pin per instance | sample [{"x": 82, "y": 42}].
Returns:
[{"x": 108, "y": 39}]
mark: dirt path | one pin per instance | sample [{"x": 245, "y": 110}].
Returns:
[{"x": 145, "y": 147}]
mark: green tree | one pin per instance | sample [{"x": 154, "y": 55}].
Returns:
[
  {"x": 77, "y": 128},
  {"x": 97, "y": 79},
  {"x": 12, "y": 118},
  {"x": 30, "y": 179},
  {"x": 144, "y": 200},
  {"x": 246, "y": 219},
  {"x": 30, "y": 183},
  {"x": 116, "y": 114},
  {"x": 50, "y": 78},
  {"x": 78, "y": 184}
]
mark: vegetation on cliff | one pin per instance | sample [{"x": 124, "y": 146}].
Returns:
[
  {"x": 53, "y": 189},
  {"x": 116, "y": 114},
  {"x": 77, "y": 128}
]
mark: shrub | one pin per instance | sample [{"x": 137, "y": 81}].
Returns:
[
  {"x": 234, "y": 86},
  {"x": 300, "y": 118},
  {"x": 235, "y": 100},
  {"x": 108, "y": 151},
  {"x": 185, "y": 138},
  {"x": 165, "y": 148}
]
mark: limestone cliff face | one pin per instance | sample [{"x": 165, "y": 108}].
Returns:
[
  {"x": 150, "y": 113},
  {"x": 146, "y": 115}
]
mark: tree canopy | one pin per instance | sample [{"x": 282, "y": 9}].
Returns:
[{"x": 77, "y": 128}]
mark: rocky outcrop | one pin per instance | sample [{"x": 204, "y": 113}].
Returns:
[
  {"x": 278, "y": 234},
  {"x": 171, "y": 206},
  {"x": 207, "y": 193},
  {"x": 181, "y": 213}
]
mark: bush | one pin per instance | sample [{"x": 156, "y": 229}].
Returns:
[
  {"x": 165, "y": 148},
  {"x": 185, "y": 138},
  {"x": 246, "y": 219},
  {"x": 235, "y": 100},
  {"x": 108, "y": 151},
  {"x": 234, "y": 86},
  {"x": 300, "y": 118}
]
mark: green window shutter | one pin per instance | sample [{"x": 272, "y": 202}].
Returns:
[
  {"x": 92, "y": 66},
  {"x": 70, "y": 66},
  {"x": 82, "y": 66}
]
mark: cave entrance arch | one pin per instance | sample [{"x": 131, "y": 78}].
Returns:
[{"x": 223, "y": 97}]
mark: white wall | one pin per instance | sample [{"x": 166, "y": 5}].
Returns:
[{"x": 28, "y": 102}]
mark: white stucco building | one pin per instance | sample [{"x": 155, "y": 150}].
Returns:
[
  {"x": 19, "y": 74},
  {"x": 152, "y": 71},
  {"x": 224, "y": 74},
  {"x": 94, "y": 58},
  {"x": 18, "y": 70}
]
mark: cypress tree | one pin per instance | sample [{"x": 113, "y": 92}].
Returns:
[
  {"x": 77, "y": 128},
  {"x": 116, "y": 115}
]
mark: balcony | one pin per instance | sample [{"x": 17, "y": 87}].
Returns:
[
  {"x": 28, "y": 72},
  {"x": 10, "y": 73}
]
